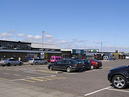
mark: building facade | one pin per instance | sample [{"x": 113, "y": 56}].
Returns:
[{"x": 24, "y": 50}]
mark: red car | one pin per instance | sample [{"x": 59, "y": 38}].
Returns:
[{"x": 95, "y": 63}]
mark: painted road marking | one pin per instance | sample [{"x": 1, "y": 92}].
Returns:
[
  {"x": 6, "y": 73},
  {"x": 88, "y": 94},
  {"x": 3, "y": 78},
  {"x": 40, "y": 79},
  {"x": 16, "y": 75},
  {"x": 48, "y": 71},
  {"x": 118, "y": 90},
  {"x": 28, "y": 80}
]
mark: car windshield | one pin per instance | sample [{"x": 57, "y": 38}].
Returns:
[
  {"x": 12, "y": 60},
  {"x": 38, "y": 59}
]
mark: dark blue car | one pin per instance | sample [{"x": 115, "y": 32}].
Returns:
[
  {"x": 68, "y": 65},
  {"x": 119, "y": 77}
]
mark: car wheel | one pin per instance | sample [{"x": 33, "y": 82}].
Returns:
[
  {"x": 68, "y": 69},
  {"x": 8, "y": 64},
  {"x": 97, "y": 67},
  {"x": 118, "y": 81},
  {"x": 92, "y": 67},
  {"x": 51, "y": 68},
  {"x": 20, "y": 64},
  {"x": 3, "y": 65},
  {"x": 46, "y": 63},
  {"x": 36, "y": 63}
]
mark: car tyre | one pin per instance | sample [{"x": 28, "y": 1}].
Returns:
[
  {"x": 119, "y": 82},
  {"x": 68, "y": 69},
  {"x": 3, "y": 65},
  {"x": 51, "y": 68},
  {"x": 92, "y": 67},
  {"x": 36, "y": 63},
  {"x": 8, "y": 64},
  {"x": 20, "y": 64}
]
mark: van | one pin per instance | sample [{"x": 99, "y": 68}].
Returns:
[{"x": 55, "y": 58}]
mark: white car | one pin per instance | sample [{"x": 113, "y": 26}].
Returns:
[
  {"x": 127, "y": 57},
  {"x": 9, "y": 62},
  {"x": 37, "y": 61}
]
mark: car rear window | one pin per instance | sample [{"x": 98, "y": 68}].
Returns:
[
  {"x": 80, "y": 61},
  {"x": 39, "y": 59},
  {"x": 74, "y": 62},
  {"x": 12, "y": 60}
]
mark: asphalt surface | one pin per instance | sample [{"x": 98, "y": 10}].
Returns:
[{"x": 39, "y": 80}]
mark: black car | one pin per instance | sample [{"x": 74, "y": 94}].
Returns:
[
  {"x": 68, "y": 65},
  {"x": 119, "y": 77},
  {"x": 86, "y": 63}
]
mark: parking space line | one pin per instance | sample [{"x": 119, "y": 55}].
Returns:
[
  {"x": 118, "y": 90},
  {"x": 88, "y": 94},
  {"x": 6, "y": 73},
  {"x": 40, "y": 79},
  {"x": 48, "y": 71},
  {"x": 3, "y": 78},
  {"x": 28, "y": 80},
  {"x": 16, "y": 75},
  {"x": 37, "y": 79}
]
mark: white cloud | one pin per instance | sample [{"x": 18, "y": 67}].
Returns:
[
  {"x": 20, "y": 35},
  {"x": 5, "y": 34},
  {"x": 61, "y": 43},
  {"x": 48, "y": 36}
]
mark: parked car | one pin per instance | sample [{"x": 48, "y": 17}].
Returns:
[
  {"x": 37, "y": 61},
  {"x": 86, "y": 63},
  {"x": 127, "y": 57},
  {"x": 119, "y": 77},
  {"x": 68, "y": 65},
  {"x": 95, "y": 63},
  {"x": 9, "y": 62},
  {"x": 55, "y": 58}
]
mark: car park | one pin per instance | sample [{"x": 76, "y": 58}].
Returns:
[
  {"x": 68, "y": 65},
  {"x": 119, "y": 77},
  {"x": 9, "y": 62},
  {"x": 37, "y": 61},
  {"x": 95, "y": 63}
]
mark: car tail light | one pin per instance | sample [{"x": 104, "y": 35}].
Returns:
[{"x": 76, "y": 65}]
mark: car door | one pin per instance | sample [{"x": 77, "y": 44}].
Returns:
[
  {"x": 128, "y": 71},
  {"x": 11, "y": 61},
  {"x": 64, "y": 64},
  {"x": 58, "y": 65}
]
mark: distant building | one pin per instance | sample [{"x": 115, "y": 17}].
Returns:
[
  {"x": 66, "y": 53},
  {"x": 14, "y": 45},
  {"x": 24, "y": 50}
]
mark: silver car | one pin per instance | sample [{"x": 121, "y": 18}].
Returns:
[
  {"x": 37, "y": 61},
  {"x": 9, "y": 62}
]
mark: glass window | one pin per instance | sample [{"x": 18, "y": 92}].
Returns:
[{"x": 59, "y": 62}]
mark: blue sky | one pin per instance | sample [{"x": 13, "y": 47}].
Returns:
[{"x": 73, "y": 23}]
